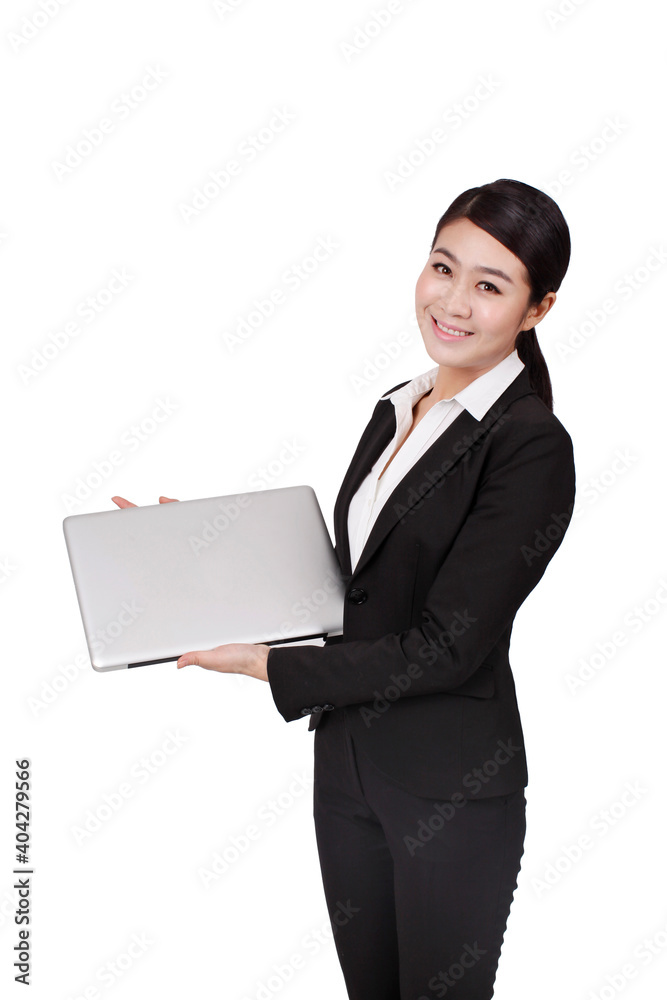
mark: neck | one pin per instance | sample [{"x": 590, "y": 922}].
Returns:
[{"x": 449, "y": 381}]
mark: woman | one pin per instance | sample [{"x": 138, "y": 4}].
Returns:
[{"x": 457, "y": 497}]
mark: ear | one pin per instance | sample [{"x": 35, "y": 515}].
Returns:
[{"x": 537, "y": 313}]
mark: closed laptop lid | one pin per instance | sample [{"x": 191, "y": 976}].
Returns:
[{"x": 154, "y": 582}]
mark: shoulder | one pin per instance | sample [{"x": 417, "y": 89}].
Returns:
[
  {"x": 528, "y": 416},
  {"x": 529, "y": 440}
]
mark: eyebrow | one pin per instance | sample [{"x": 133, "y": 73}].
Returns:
[{"x": 477, "y": 267}]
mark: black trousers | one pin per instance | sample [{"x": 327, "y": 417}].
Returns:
[{"x": 418, "y": 890}]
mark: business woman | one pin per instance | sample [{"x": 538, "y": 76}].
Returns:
[{"x": 456, "y": 499}]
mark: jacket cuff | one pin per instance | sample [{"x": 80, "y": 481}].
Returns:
[{"x": 289, "y": 669}]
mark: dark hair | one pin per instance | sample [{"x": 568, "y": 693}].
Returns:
[{"x": 531, "y": 225}]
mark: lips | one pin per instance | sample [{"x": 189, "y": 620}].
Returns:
[{"x": 451, "y": 331}]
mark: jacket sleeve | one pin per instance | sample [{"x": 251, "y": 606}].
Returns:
[{"x": 522, "y": 509}]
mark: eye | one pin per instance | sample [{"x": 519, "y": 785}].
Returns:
[{"x": 486, "y": 285}]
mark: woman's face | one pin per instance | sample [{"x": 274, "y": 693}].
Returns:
[{"x": 472, "y": 283}]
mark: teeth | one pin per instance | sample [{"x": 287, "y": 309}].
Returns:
[{"x": 455, "y": 333}]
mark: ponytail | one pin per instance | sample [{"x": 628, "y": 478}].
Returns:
[{"x": 529, "y": 352}]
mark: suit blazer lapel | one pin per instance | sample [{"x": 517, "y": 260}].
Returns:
[{"x": 436, "y": 462}]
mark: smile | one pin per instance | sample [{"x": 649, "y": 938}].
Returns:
[{"x": 448, "y": 330}]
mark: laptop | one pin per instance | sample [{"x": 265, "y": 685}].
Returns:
[{"x": 155, "y": 582}]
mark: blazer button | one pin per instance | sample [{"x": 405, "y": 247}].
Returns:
[
  {"x": 305, "y": 711},
  {"x": 357, "y": 595},
  {"x": 328, "y": 708},
  {"x": 317, "y": 708}
]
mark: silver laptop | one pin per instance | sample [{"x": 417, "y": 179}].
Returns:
[{"x": 158, "y": 581}]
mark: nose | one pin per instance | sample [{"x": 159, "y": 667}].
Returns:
[{"x": 456, "y": 300}]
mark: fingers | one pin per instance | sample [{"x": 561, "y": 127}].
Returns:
[
  {"x": 188, "y": 659},
  {"x": 231, "y": 658},
  {"x": 210, "y": 659},
  {"x": 228, "y": 658},
  {"x": 122, "y": 502}
]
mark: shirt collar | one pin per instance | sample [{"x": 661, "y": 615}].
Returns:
[{"x": 476, "y": 398}]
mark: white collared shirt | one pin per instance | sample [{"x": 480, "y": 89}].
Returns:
[{"x": 476, "y": 398}]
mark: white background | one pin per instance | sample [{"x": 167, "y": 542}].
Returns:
[{"x": 360, "y": 98}]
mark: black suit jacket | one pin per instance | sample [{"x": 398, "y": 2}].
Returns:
[{"x": 422, "y": 669}]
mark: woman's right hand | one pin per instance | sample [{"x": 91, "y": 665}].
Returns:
[{"x": 122, "y": 502}]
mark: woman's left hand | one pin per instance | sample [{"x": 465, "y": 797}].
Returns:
[{"x": 231, "y": 658}]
